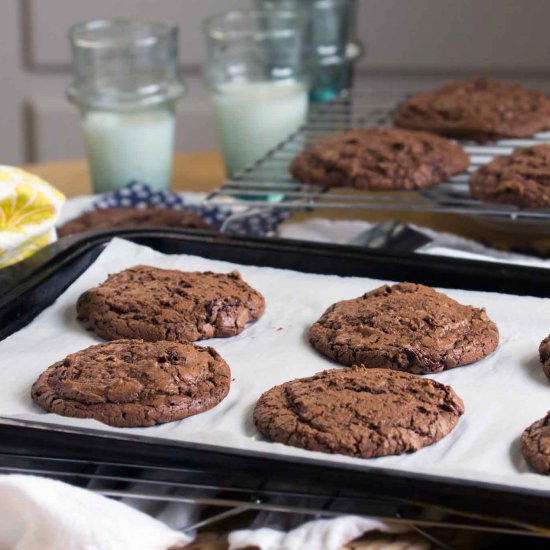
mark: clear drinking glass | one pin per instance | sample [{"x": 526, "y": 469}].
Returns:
[
  {"x": 126, "y": 82},
  {"x": 256, "y": 75},
  {"x": 331, "y": 42}
]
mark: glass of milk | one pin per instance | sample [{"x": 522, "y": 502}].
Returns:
[
  {"x": 126, "y": 83},
  {"x": 257, "y": 80}
]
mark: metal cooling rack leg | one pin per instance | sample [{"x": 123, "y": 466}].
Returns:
[
  {"x": 430, "y": 538},
  {"x": 216, "y": 518}
]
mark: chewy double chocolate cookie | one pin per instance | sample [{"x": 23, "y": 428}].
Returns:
[
  {"x": 380, "y": 159},
  {"x": 521, "y": 179},
  {"x": 480, "y": 109},
  {"x": 161, "y": 304},
  {"x": 106, "y": 218},
  {"x": 544, "y": 352},
  {"x": 129, "y": 383},
  {"x": 535, "y": 445},
  {"x": 358, "y": 412},
  {"x": 407, "y": 327}
]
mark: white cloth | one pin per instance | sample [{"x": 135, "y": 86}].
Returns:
[
  {"x": 443, "y": 244},
  {"x": 323, "y": 534},
  {"x": 44, "y": 514}
]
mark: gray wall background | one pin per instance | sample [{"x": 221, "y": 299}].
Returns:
[{"x": 409, "y": 43}]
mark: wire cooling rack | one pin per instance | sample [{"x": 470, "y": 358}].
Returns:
[
  {"x": 226, "y": 496},
  {"x": 268, "y": 181}
]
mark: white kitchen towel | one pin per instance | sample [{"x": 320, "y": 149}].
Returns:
[
  {"x": 44, "y": 514},
  {"x": 323, "y": 534}
]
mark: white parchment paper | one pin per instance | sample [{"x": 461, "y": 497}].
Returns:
[{"x": 503, "y": 393}]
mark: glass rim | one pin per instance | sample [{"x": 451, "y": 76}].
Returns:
[
  {"x": 323, "y": 4},
  {"x": 215, "y": 25},
  {"x": 81, "y": 34}
]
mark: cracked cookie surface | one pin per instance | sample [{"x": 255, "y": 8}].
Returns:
[
  {"x": 535, "y": 445},
  {"x": 358, "y": 412},
  {"x": 480, "y": 109},
  {"x": 130, "y": 383},
  {"x": 407, "y": 327},
  {"x": 521, "y": 179},
  {"x": 161, "y": 304},
  {"x": 380, "y": 159}
]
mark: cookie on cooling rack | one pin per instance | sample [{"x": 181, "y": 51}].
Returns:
[
  {"x": 521, "y": 179},
  {"x": 130, "y": 383},
  {"x": 406, "y": 327},
  {"x": 479, "y": 109},
  {"x": 359, "y": 412},
  {"x": 380, "y": 159},
  {"x": 162, "y": 304},
  {"x": 107, "y": 218},
  {"x": 535, "y": 445}
]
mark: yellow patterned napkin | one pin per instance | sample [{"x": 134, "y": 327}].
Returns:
[{"x": 29, "y": 208}]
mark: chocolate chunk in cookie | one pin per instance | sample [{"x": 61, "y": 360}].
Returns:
[
  {"x": 129, "y": 383},
  {"x": 407, "y": 327},
  {"x": 535, "y": 445},
  {"x": 479, "y": 109},
  {"x": 359, "y": 412},
  {"x": 544, "y": 352},
  {"x": 160, "y": 304},
  {"x": 521, "y": 179},
  {"x": 108, "y": 218},
  {"x": 380, "y": 159}
]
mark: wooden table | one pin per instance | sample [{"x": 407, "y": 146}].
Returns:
[
  {"x": 204, "y": 172},
  {"x": 191, "y": 172}
]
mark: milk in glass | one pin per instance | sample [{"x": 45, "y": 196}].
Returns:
[
  {"x": 255, "y": 116},
  {"x": 126, "y": 83},
  {"x": 122, "y": 147}
]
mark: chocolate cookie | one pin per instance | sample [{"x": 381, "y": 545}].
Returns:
[
  {"x": 479, "y": 109},
  {"x": 521, "y": 179},
  {"x": 535, "y": 445},
  {"x": 359, "y": 412},
  {"x": 405, "y": 327},
  {"x": 129, "y": 383},
  {"x": 107, "y": 218},
  {"x": 544, "y": 352},
  {"x": 380, "y": 159},
  {"x": 160, "y": 304}
]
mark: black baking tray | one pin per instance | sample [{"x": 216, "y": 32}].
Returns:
[{"x": 29, "y": 287}]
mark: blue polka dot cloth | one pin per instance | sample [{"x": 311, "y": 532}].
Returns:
[{"x": 253, "y": 221}]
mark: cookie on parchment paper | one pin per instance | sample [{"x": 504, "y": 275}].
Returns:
[
  {"x": 130, "y": 383},
  {"x": 535, "y": 445},
  {"x": 407, "y": 327},
  {"x": 359, "y": 412},
  {"x": 166, "y": 304}
]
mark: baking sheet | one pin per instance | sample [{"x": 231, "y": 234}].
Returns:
[{"x": 503, "y": 393}]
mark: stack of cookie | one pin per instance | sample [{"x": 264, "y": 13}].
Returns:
[{"x": 418, "y": 154}]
